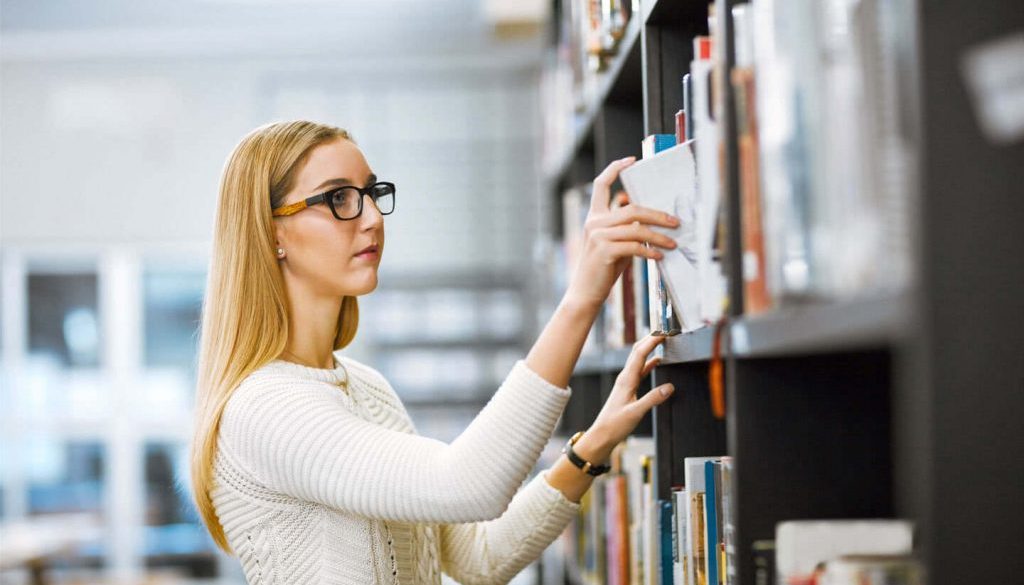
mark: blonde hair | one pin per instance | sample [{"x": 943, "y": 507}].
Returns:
[{"x": 245, "y": 310}]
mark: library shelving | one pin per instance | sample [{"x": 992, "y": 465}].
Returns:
[{"x": 905, "y": 404}]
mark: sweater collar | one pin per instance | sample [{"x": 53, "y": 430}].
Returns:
[{"x": 336, "y": 375}]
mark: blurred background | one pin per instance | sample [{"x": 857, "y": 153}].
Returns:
[{"x": 116, "y": 118}]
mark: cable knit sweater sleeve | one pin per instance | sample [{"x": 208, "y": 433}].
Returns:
[
  {"x": 484, "y": 553},
  {"x": 299, "y": 439}
]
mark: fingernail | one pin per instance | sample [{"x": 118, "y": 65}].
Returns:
[{"x": 666, "y": 390}]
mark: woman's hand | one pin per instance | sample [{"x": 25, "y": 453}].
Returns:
[
  {"x": 623, "y": 411},
  {"x": 612, "y": 237}
]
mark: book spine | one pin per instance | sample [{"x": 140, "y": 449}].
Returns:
[
  {"x": 665, "y": 567},
  {"x": 710, "y": 525}
]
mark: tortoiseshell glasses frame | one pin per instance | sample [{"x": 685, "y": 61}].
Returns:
[{"x": 346, "y": 202}]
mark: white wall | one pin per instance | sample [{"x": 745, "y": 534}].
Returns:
[{"x": 130, "y": 151}]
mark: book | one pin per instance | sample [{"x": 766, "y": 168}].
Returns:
[
  {"x": 756, "y": 298},
  {"x": 708, "y": 204},
  {"x": 617, "y": 526},
  {"x": 873, "y": 570},
  {"x": 661, "y": 316},
  {"x": 688, "y": 106},
  {"x": 641, "y": 298},
  {"x": 634, "y": 450},
  {"x": 695, "y": 555},
  {"x": 728, "y": 527},
  {"x": 650, "y": 534},
  {"x": 667, "y": 182},
  {"x": 802, "y": 545},
  {"x": 679, "y": 525},
  {"x": 665, "y": 566},
  {"x": 711, "y": 514}
]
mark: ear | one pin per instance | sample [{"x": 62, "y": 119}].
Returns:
[{"x": 280, "y": 239}]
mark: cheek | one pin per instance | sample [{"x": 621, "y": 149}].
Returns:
[{"x": 324, "y": 243}]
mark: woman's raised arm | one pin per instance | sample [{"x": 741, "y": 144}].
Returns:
[{"x": 611, "y": 238}]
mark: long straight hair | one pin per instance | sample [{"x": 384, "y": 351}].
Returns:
[{"x": 245, "y": 307}]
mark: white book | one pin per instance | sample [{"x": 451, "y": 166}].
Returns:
[
  {"x": 707, "y": 142},
  {"x": 651, "y": 535},
  {"x": 679, "y": 499},
  {"x": 801, "y": 545},
  {"x": 667, "y": 181}
]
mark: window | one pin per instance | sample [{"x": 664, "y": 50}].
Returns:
[
  {"x": 172, "y": 304},
  {"x": 61, "y": 376},
  {"x": 174, "y": 535}
]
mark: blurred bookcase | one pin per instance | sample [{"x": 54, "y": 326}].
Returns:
[{"x": 904, "y": 404}]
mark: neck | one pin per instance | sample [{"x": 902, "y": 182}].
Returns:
[{"x": 313, "y": 326}]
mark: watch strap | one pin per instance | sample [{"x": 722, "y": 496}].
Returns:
[{"x": 586, "y": 466}]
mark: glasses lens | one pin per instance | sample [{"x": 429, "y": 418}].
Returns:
[
  {"x": 384, "y": 197},
  {"x": 345, "y": 202}
]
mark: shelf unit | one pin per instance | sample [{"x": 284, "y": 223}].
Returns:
[{"x": 897, "y": 405}]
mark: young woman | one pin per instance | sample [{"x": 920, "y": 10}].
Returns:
[{"x": 304, "y": 462}]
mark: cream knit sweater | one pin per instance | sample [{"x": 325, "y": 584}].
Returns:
[{"x": 321, "y": 481}]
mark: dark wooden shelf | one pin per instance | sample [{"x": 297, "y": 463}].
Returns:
[
  {"x": 688, "y": 347},
  {"x": 858, "y": 408},
  {"x": 611, "y": 84},
  {"x": 877, "y": 321},
  {"x": 874, "y": 322},
  {"x": 606, "y": 362}
]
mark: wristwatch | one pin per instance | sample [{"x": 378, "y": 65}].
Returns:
[{"x": 578, "y": 461}]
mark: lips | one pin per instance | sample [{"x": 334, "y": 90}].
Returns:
[{"x": 371, "y": 249}]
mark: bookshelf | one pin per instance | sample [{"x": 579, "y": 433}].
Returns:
[{"x": 905, "y": 404}]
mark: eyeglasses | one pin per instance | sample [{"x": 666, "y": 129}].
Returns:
[{"x": 346, "y": 202}]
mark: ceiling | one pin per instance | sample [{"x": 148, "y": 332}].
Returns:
[{"x": 100, "y": 29}]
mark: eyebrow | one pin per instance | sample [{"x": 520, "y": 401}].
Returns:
[{"x": 342, "y": 182}]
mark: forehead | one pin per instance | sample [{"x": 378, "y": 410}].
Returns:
[{"x": 338, "y": 159}]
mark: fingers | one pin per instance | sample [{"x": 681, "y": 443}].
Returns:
[
  {"x": 656, "y": 396},
  {"x": 650, "y": 365},
  {"x": 603, "y": 183},
  {"x": 632, "y": 213},
  {"x": 636, "y": 232},
  {"x": 641, "y": 350},
  {"x": 619, "y": 250}
]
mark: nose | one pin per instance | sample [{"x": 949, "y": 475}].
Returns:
[{"x": 371, "y": 217}]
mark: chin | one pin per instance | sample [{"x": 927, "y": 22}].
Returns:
[{"x": 360, "y": 287}]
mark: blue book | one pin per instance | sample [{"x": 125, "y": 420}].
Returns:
[
  {"x": 711, "y": 523},
  {"x": 667, "y": 516},
  {"x": 663, "y": 142},
  {"x": 669, "y": 323}
]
